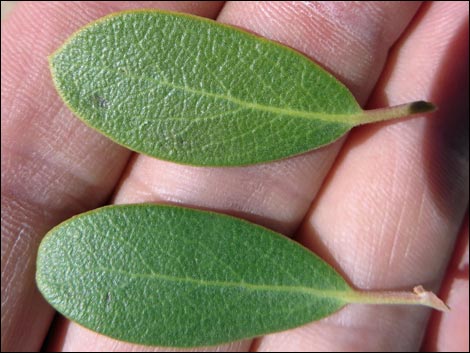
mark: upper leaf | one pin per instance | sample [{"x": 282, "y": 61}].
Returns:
[
  {"x": 162, "y": 275},
  {"x": 190, "y": 90}
]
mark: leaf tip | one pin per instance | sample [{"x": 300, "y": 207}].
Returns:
[{"x": 421, "y": 107}]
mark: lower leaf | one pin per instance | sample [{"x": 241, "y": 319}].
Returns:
[{"x": 172, "y": 276}]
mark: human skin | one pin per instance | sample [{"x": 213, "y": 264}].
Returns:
[{"x": 383, "y": 205}]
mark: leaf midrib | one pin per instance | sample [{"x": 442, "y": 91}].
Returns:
[
  {"x": 340, "y": 295},
  {"x": 330, "y": 118}
]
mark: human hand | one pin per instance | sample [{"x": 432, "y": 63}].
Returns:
[{"x": 383, "y": 205}]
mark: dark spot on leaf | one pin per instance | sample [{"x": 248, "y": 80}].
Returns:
[
  {"x": 179, "y": 140},
  {"x": 99, "y": 101},
  {"x": 108, "y": 301}
]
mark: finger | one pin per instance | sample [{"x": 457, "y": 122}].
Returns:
[
  {"x": 391, "y": 207},
  {"x": 275, "y": 194},
  {"x": 448, "y": 332},
  {"x": 53, "y": 166}
]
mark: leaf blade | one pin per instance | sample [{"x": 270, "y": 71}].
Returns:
[
  {"x": 284, "y": 100},
  {"x": 145, "y": 291}
]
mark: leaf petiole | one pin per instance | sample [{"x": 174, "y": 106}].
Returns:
[
  {"x": 398, "y": 111},
  {"x": 419, "y": 296}
]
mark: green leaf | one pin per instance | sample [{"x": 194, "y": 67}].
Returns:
[
  {"x": 171, "y": 276},
  {"x": 193, "y": 91}
]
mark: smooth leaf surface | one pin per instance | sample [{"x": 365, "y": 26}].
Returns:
[
  {"x": 193, "y": 91},
  {"x": 163, "y": 275}
]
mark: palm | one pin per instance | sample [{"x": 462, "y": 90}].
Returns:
[{"x": 383, "y": 205}]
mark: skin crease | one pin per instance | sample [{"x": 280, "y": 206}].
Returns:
[
  {"x": 455, "y": 292},
  {"x": 399, "y": 189}
]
